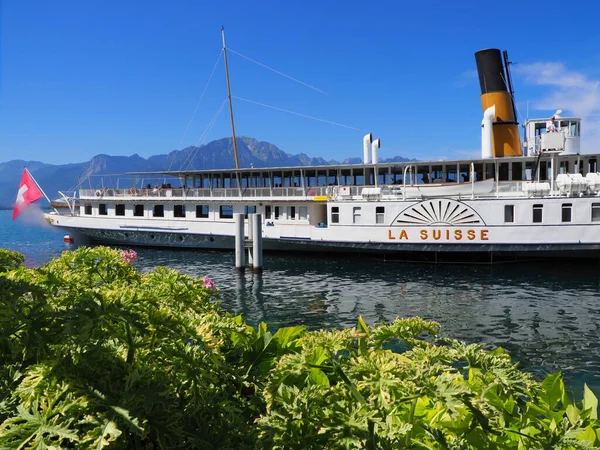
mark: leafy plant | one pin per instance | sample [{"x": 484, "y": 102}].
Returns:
[
  {"x": 94, "y": 354},
  {"x": 344, "y": 389}
]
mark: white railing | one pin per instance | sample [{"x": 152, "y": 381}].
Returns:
[{"x": 206, "y": 193}]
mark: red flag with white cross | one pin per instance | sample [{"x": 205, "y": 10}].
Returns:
[{"x": 28, "y": 193}]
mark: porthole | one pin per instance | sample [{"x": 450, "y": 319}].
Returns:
[
  {"x": 180, "y": 238},
  {"x": 151, "y": 236}
]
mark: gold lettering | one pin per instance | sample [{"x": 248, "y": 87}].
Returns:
[
  {"x": 471, "y": 234},
  {"x": 447, "y": 234},
  {"x": 437, "y": 234},
  {"x": 403, "y": 235},
  {"x": 390, "y": 235},
  {"x": 423, "y": 235},
  {"x": 484, "y": 235},
  {"x": 458, "y": 235}
]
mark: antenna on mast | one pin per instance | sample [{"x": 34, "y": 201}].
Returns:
[{"x": 235, "y": 153}]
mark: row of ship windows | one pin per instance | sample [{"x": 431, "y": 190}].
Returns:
[
  {"x": 202, "y": 211},
  {"x": 357, "y": 214},
  {"x": 538, "y": 213}
]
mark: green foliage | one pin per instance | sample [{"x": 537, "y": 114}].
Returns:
[
  {"x": 94, "y": 354},
  {"x": 447, "y": 395},
  {"x": 10, "y": 260}
]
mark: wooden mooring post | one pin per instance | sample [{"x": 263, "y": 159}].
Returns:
[{"x": 253, "y": 243}]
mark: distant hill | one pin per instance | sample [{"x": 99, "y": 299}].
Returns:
[{"x": 214, "y": 155}]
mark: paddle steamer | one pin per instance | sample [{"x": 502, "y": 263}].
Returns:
[{"x": 519, "y": 200}]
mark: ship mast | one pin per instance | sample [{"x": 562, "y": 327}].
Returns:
[{"x": 235, "y": 153}]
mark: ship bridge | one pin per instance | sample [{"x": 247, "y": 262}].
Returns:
[{"x": 555, "y": 134}]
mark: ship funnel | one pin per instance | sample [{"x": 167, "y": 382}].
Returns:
[
  {"x": 366, "y": 148},
  {"x": 374, "y": 147},
  {"x": 496, "y": 90}
]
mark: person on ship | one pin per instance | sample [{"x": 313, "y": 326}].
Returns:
[{"x": 550, "y": 126}]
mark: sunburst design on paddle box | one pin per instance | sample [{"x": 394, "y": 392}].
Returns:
[{"x": 439, "y": 212}]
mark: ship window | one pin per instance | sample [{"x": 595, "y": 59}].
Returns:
[
  {"x": 566, "y": 212},
  {"x": 291, "y": 213},
  {"x": 503, "y": 172},
  {"x": 490, "y": 171},
  {"x": 379, "y": 214},
  {"x": 249, "y": 210},
  {"x": 451, "y": 174},
  {"x": 179, "y": 211},
  {"x": 159, "y": 211},
  {"x": 202, "y": 211},
  {"x": 335, "y": 214},
  {"x": 88, "y": 210},
  {"x": 422, "y": 174},
  {"x": 478, "y": 172},
  {"x": 437, "y": 174},
  {"x": 356, "y": 212},
  {"x": 465, "y": 173},
  {"x": 226, "y": 212},
  {"x": 138, "y": 210},
  {"x": 277, "y": 212},
  {"x": 595, "y": 212},
  {"x": 268, "y": 212},
  {"x": 574, "y": 128},
  {"x": 509, "y": 213},
  {"x": 517, "y": 171},
  {"x": 102, "y": 209},
  {"x": 537, "y": 213},
  {"x": 543, "y": 172},
  {"x": 303, "y": 212},
  {"x": 119, "y": 209}
]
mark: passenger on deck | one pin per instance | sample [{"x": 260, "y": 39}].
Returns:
[{"x": 550, "y": 127}]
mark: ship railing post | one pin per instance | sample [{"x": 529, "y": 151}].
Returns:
[
  {"x": 239, "y": 243},
  {"x": 472, "y": 181},
  {"x": 406, "y": 169},
  {"x": 257, "y": 242}
]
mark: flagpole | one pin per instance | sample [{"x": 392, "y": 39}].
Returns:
[{"x": 41, "y": 190}]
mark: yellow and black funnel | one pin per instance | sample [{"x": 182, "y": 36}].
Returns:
[{"x": 495, "y": 81}]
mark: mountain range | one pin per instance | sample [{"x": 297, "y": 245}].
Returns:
[{"x": 217, "y": 154}]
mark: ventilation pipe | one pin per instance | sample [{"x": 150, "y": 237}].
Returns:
[
  {"x": 487, "y": 134},
  {"x": 374, "y": 147},
  {"x": 366, "y": 150}
]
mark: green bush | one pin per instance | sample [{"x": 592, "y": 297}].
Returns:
[{"x": 95, "y": 354}]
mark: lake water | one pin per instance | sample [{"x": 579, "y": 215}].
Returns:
[{"x": 547, "y": 316}]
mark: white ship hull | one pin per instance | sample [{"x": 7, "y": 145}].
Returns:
[{"x": 433, "y": 229}]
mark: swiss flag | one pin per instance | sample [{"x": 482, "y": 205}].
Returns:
[{"x": 28, "y": 193}]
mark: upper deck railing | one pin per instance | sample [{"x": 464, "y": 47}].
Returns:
[
  {"x": 206, "y": 193},
  {"x": 342, "y": 193}
]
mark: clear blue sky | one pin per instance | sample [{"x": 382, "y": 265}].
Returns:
[{"x": 79, "y": 78}]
